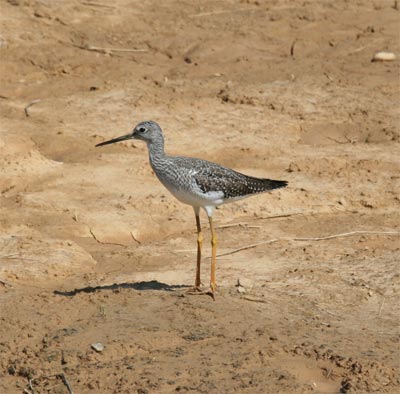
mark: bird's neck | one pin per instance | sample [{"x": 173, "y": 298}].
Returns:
[{"x": 156, "y": 152}]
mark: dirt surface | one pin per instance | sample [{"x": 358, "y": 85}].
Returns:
[{"x": 94, "y": 249}]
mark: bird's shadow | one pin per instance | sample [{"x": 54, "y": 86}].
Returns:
[{"x": 141, "y": 286}]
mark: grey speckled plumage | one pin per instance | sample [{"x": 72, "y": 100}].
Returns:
[
  {"x": 197, "y": 182},
  {"x": 214, "y": 177}
]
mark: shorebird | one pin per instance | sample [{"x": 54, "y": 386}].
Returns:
[{"x": 196, "y": 182}]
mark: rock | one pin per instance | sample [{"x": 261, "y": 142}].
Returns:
[
  {"x": 383, "y": 57},
  {"x": 98, "y": 347},
  {"x": 293, "y": 167},
  {"x": 246, "y": 283},
  {"x": 241, "y": 289}
]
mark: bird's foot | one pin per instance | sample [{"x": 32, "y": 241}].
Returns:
[
  {"x": 197, "y": 290},
  {"x": 213, "y": 287}
]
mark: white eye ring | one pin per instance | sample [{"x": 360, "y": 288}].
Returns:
[{"x": 142, "y": 130}]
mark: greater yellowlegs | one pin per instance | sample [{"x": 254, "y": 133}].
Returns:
[{"x": 196, "y": 182}]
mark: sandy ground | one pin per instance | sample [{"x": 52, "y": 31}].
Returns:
[{"x": 94, "y": 249}]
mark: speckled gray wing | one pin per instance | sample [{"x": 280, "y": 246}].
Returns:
[{"x": 211, "y": 177}]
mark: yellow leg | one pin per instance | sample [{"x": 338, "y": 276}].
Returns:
[
  {"x": 197, "y": 283},
  {"x": 213, "y": 283}
]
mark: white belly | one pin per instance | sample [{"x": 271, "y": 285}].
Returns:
[{"x": 211, "y": 199}]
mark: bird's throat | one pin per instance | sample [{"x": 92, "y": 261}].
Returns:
[{"x": 156, "y": 153}]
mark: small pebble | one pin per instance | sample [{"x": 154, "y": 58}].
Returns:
[
  {"x": 246, "y": 283},
  {"x": 99, "y": 347},
  {"x": 383, "y": 57},
  {"x": 241, "y": 289}
]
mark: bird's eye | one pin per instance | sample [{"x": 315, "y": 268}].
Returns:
[{"x": 142, "y": 130}]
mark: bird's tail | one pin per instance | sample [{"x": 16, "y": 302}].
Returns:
[
  {"x": 260, "y": 185},
  {"x": 270, "y": 184}
]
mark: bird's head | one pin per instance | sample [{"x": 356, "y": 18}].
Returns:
[{"x": 148, "y": 131}]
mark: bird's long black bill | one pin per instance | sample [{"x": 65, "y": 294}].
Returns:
[{"x": 114, "y": 140}]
